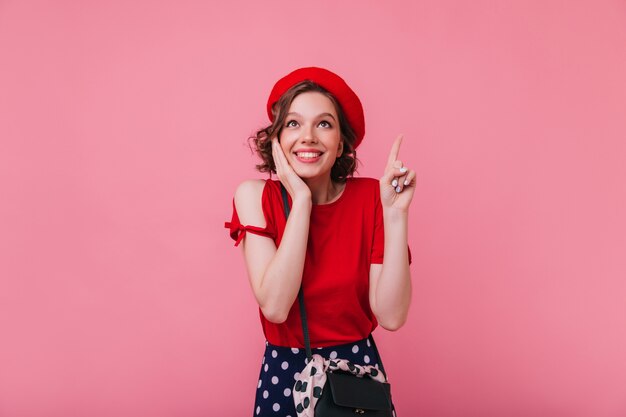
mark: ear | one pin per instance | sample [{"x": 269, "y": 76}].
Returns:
[{"x": 340, "y": 149}]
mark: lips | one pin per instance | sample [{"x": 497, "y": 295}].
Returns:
[{"x": 308, "y": 156}]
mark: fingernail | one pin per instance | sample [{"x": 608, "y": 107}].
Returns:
[
  {"x": 403, "y": 169},
  {"x": 394, "y": 183},
  {"x": 406, "y": 182},
  {"x": 398, "y": 189}
]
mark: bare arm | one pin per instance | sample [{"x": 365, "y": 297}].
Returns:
[
  {"x": 275, "y": 273},
  {"x": 390, "y": 283}
]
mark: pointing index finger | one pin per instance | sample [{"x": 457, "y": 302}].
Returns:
[{"x": 395, "y": 149}]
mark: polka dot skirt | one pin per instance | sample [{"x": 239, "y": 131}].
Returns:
[{"x": 281, "y": 366}]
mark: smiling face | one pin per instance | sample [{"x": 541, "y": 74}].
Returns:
[{"x": 310, "y": 136}]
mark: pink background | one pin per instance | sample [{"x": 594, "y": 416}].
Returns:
[{"x": 123, "y": 128}]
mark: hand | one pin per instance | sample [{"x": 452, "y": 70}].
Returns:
[
  {"x": 397, "y": 185},
  {"x": 293, "y": 183}
]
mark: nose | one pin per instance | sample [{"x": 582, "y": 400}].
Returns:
[{"x": 308, "y": 134}]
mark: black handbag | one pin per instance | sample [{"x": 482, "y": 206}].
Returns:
[{"x": 346, "y": 394}]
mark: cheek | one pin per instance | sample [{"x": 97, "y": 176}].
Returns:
[
  {"x": 334, "y": 141},
  {"x": 287, "y": 139}
]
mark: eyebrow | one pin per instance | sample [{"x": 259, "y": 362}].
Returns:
[{"x": 319, "y": 116}]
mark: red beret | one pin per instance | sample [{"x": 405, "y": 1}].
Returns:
[{"x": 334, "y": 84}]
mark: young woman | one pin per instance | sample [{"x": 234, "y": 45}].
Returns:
[{"x": 345, "y": 240}]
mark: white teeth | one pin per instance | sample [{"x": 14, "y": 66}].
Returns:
[{"x": 308, "y": 154}]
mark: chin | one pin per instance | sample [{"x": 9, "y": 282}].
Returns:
[{"x": 311, "y": 173}]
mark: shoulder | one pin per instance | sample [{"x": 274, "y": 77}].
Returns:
[
  {"x": 364, "y": 181},
  {"x": 365, "y": 184},
  {"x": 249, "y": 189},
  {"x": 365, "y": 191},
  {"x": 248, "y": 199}
]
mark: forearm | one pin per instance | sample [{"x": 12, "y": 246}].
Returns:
[
  {"x": 393, "y": 292},
  {"x": 282, "y": 279}
]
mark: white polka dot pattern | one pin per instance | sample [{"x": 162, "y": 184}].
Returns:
[
  {"x": 276, "y": 390},
  {"x": 307, "y": 390}
]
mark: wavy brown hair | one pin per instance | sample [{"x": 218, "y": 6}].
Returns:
[{"x": 344, "y": 166}]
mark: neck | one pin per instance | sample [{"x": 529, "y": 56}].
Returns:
[{"x": 323, "y": 190}]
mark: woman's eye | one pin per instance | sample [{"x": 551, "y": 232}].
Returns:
[
  {"x": 291, "y": 123},
  {"x": 324, "y": 123}
]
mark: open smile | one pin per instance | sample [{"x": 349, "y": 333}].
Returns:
[{"x": 308, "y": 157}]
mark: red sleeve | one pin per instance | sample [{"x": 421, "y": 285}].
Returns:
[
  {"x": 238, "y": 231},
  {"x": 378, "y": 246}
]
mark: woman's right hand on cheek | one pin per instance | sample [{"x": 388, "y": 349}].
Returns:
[{"x": 295, "y": 186}]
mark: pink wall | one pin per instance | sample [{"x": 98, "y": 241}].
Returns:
[{"x": 123, "y": 129}]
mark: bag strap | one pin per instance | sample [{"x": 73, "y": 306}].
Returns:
[{"x": 305, "y": 326}]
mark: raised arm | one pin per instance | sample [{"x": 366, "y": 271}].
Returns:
[
  {"x": 390, "y": 283},
  {"x": 275, "y": 273}
]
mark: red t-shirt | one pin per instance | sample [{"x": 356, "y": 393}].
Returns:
[{"x": 345, "y": 237}]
